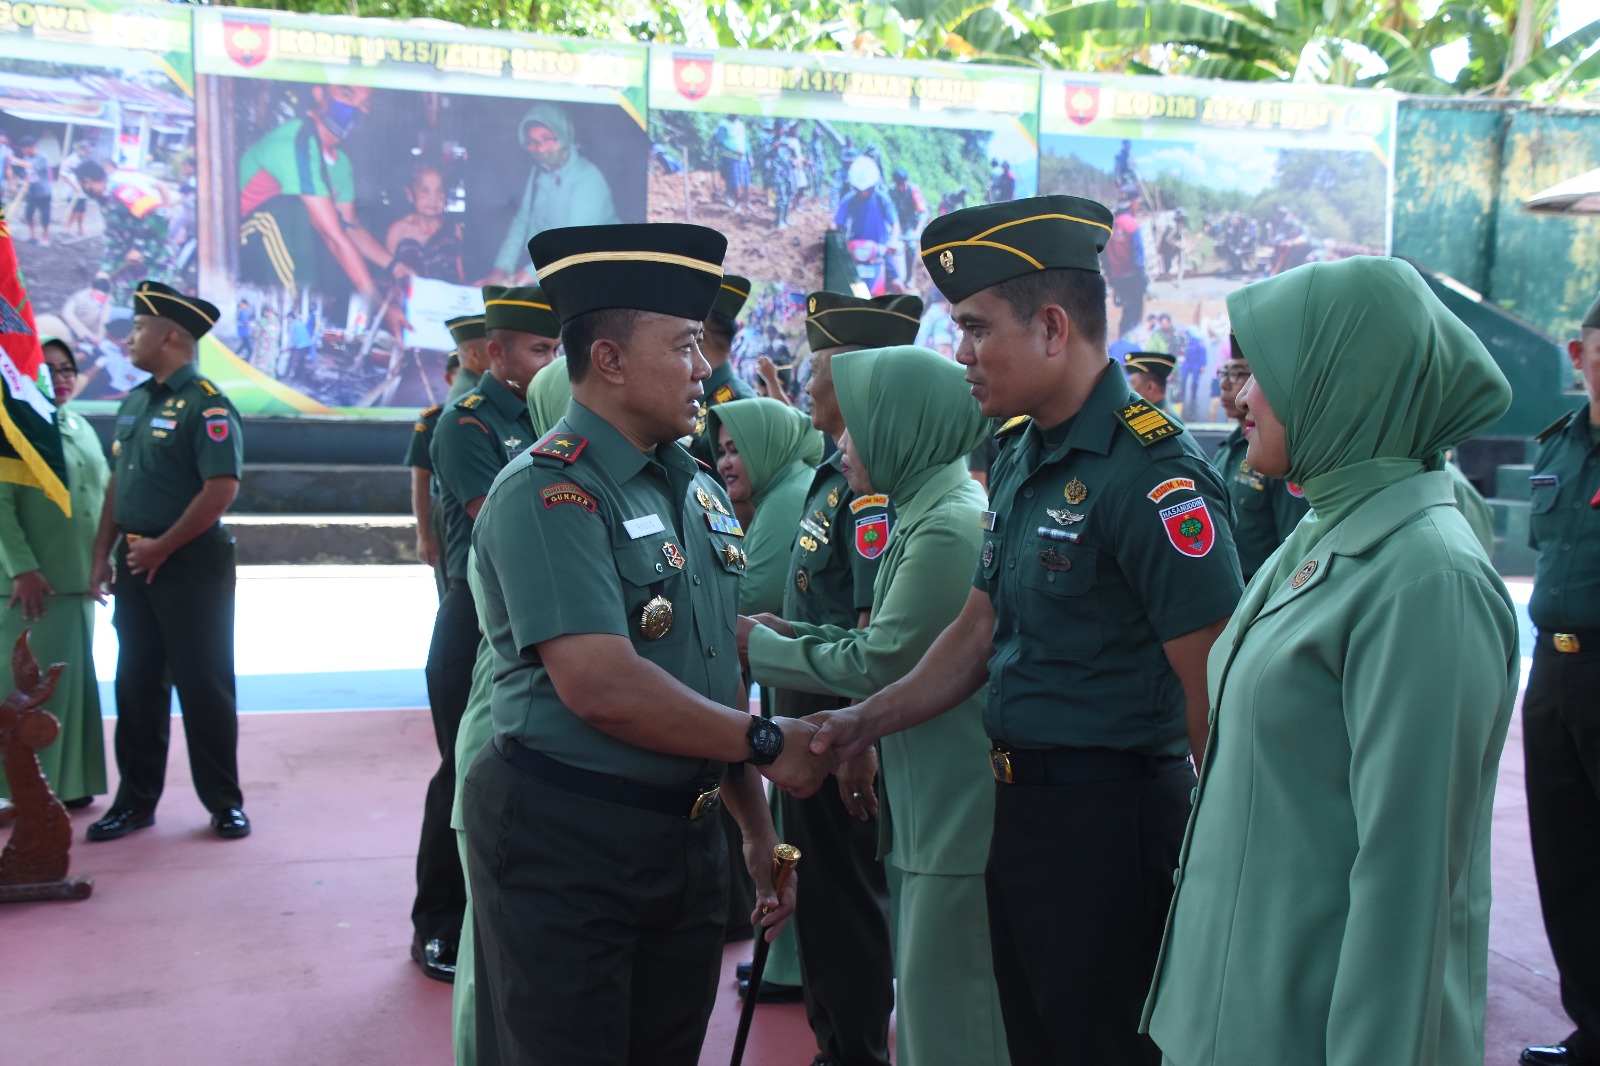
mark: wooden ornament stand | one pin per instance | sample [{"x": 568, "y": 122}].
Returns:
[{"x": 34, "y": 864}]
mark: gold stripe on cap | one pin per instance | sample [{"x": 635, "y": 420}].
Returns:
[
  {"x": 1040, "y": 218},
  {"x": 823, "y": 330},
  {"x": 514, "y": 303},
  {"x": 983, "y": 244},
  {"x": 473, "y": 321},
  {"x": 735, "y": 291},
  {"x": 665, "y": 258},
  {"x": 869, "y": 310},
  {"x": 146, "y": 296}
]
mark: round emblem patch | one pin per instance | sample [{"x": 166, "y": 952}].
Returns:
[
  {"x": 1303, "y": 574},
  {"x": 802, "y": 581},
  {"x": 656, "y": 620}
]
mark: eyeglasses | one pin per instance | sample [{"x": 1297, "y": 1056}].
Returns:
[
  {"x": 1233, "y": 375},
  {"x": 63, "y": 371}
]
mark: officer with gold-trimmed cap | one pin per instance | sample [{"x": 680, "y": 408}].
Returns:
[
  {"x": 1147, "y": 375},
  {"x": 722, "y": 326},
  {"x": 1107, "y": 571},
  {"x": 475, "y": 437},
  {"x": 176, "y": 461},
  {"x": 609, "y": 563},
  {"x": 471, "y": 336}
]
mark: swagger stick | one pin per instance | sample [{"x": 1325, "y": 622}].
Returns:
[{"x": 784, "y": 858}]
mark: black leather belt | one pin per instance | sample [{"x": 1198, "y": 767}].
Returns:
[
  {"x": 681, "y": 803},
  {"x": 1571, "y": 642},
  {"x": 1065, "y": 766}
]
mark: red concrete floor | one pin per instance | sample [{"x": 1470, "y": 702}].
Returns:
[{"x": 291, "y": 946}]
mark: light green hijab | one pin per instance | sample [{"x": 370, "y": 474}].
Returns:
[
  {"x": 549, "y": 393},
  {"x": 1371, "y": 376},
  {"x": 912, "y": 417},
  {"x": 780, "y": 450}
]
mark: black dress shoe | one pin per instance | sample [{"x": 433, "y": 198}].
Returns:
[
  {"x": 231, "y": 824},
  {"x": 1555, "y": 1055},
  {"x": 119, "y": 822},
  {"x": 773, "y": 993},
  {"x": 437, "y": 959},
  {"x": 77, "y": 804}
]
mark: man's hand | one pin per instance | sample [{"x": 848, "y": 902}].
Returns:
[
  {"x": 427, "y": 548},
  {"x": 771, "y": 913},
  {"x": 747, "y": 625},
  {"x": 855, "y": 783},
  {"x": 797, "y": 770},
  {"x": 146, "y": 555},
  {"x": 30, "y": 590},
  {"x": 842, "y": 732},
  {"x": 100, "y": 580}
]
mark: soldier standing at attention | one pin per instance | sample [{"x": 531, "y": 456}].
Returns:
[
  {"x": 717, "y": 346},
  {"x": 176, "y": 464},
  {"x": 609, "y": 568},
  {"x": 1264, "y": 509},
  {"x": 1107, "y": 570},
  {"x": 1561, "y": 710},
  {"x": 476, "y": 436}
]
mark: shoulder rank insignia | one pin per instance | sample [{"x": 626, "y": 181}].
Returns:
[
  {"x": 430, "y": 412},
  {"x": 723, "y": 394},
  {"x": 207, "y": 388},
  {"x": 1555, "y": 427},
  {"x": 469, "y": 401},
  {"x": 563, "y": 446},
  {"x": 861, "y": 503},
  {"x": 1012, "y": 426},
  {"x": 1146, "y": 423}
]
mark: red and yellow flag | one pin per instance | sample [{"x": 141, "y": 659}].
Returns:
[{"x": 30, "y": 443}]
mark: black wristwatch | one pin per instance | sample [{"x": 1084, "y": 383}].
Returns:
[{"x": 766, "y": 741}]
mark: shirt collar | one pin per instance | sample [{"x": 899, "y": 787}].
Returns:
[
  {"x": 1390, "y": 509},
  {"x": 615, "y": 452},
  {"x": 175, "y": 381},
  {"x": 1096, "y": 422},
  {"x": 504, "y": 401}
]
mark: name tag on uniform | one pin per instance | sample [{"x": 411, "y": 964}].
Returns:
[
  {"x": 643, "y": 527},
  {"x": 1544, "y": 481},
  {"x": 164, "y": 423},
  {"x": 987, "y": 521}
]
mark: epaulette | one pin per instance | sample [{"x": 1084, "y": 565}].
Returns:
[
  {"x": 207, "y": 388},
  {"x": 723, "y": 394},
  {"x": 469, "y": 401},
  {"x": 1146, "y": 423},
  {"x": 559, "y": 445},
  {"x": 1012, "y": 426},
  {"x": 707, "y": 467},
  {"x": 431, "y": 411},
  {"x": 1555, "y": 427}
]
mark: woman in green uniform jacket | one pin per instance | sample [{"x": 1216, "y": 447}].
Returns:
[
  {"x": 45, "y": 558},
  {"x": 766, "y": 456},
  {"x": 548, "y": 395},
  {"x": 912, "y": 421},
  {"x": 1333, "y": 895}
]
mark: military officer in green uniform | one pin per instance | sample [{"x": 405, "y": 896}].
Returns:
[
  {"x": 176, "y": 461},
  {"x": 1106, "y": 572},
  {"x": 476, "y": 436},
  {"x": 717, "y": 345},
  {"x": 1264, "y": 509},
  {"x": 1147, "y": 375},
  {"x": 424, "y": 493},
  {"x": 471, "y": 335},
  {"x": 1561, "y": 711},
  {"x": 609, "y": 567}
]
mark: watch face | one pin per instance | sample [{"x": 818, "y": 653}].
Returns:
[{"x": 766, "y": 739}]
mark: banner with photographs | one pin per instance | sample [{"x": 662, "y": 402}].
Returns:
[
  {"x": 1215, "y": 184},
  {"x": 776, "y": 150},
  {"x": 366, "y": 177},
  {"x": 97, "y": 163}
]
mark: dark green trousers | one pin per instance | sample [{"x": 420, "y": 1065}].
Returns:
[{"x": 598, "y": 926}]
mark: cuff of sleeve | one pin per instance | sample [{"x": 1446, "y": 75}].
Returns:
[{"x": 1181, "y": 618}]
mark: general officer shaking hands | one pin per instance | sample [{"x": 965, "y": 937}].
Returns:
[{"x": 609, "y": 563}]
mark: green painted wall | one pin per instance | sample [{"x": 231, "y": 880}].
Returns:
[{"x": 1446, "y": 183}]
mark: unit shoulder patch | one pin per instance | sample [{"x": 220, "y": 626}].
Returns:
[
  {"x": 563, "y": 446},
  {"x": 861, "y": 503},
  {"x": 1146, "y": 423},
  {"x": 566, "y": 492},
  {"x": 1013, "y": 425},
  {"x": 1555, "y": 427},
  {"x": 215, "y": 412},
  {"x": 468, "y": 420}
]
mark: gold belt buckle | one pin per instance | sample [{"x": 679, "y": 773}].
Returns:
[
  {"x": 1567, "y": 642},
  {"x": 706, "y": 802},
  {"x": 1000, "y": 763},
  {"x": 131, "y": 537}
]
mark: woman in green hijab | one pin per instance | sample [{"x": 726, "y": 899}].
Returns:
[
  {"x": 1333, "y": 895},
  {"x": 548, "y": 395},
  {"x": 911, "y": 422},
  {"x": 766, "y": 454}
]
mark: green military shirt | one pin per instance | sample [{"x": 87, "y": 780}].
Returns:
[
  {"x": 1264, "y": 510},
  {"x": 480, "y": 434},
  {"x": 418, "y": 456},
  {"x": 1106, "y": 539},
  {"x": 466, "y": 381},
  {"x": 584, "y": 533},
  {"x": 723, "y": 385},
  {"x": 830, "y": 578},
  {"x": 171, "y": 437},
  {"x": 1564, "y": 527}
]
